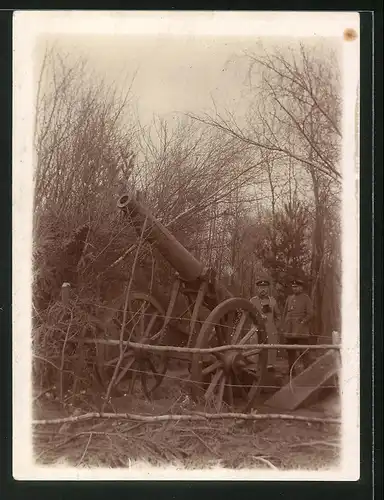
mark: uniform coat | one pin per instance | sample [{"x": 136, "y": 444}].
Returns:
[
  {"x": 298, "y": 312},
  {"x": 271, "y": 317}
]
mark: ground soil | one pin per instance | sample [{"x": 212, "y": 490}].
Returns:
[{"x": 227, "y": 443}]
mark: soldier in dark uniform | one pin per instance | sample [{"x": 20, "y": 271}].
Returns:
[
  {"x": 298, "y": 313},
  {"x": 269, "y": 310}
]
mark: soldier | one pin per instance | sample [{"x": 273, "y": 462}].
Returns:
[
  {"x": 269, "y": 310},
  {"x": 297, "y": 316}
]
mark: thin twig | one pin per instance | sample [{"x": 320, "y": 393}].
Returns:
[
  {"x": 206, "y": 445},
  {"x": 122, "y": 257},
  {"x": 43, "y": 392},
  {"x": 85, "y": 449},
  {"x": 267, "y": 462},
  {"x": 56, "y": 446},
  {"x": 292, "y": 368},
  {"x": 121, "y": 342}
]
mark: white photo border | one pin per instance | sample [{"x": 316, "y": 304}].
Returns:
[{"x": 28, "y": 27}]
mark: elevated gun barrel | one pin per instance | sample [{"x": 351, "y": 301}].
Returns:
[{"x": 188, "y": 267}]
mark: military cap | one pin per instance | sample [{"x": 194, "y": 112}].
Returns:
[
  {"x": 262, "y": 282},
  {"x": 297, "y": 282}
]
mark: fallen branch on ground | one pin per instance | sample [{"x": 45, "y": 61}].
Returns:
[
  {"x": 197, "y": 416},
  {"x": 317, "y": 443},
  {"x": 223, "y": 348}
]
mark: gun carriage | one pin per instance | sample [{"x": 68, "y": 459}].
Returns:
[{"x": 212, "y": 317}]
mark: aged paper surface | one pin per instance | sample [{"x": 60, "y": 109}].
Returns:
[{"x": 180, "y": 66}]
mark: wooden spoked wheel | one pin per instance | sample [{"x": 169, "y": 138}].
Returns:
[
  {"x": 232, "y": 377},
  {"x": 143, "y": 324}
]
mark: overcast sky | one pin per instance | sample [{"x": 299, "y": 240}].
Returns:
[
  {"x": 172, "y": 74},
  {"x": 176, "y": 74}
]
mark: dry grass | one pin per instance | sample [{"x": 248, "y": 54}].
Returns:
[{"x": 285, "y": 445}]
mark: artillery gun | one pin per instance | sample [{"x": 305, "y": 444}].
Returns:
[{"x": 213, "y": 318}]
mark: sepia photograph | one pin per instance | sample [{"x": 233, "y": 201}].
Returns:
[{"x": 186, "y": 245}]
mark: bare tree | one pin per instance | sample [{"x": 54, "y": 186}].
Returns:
[
  {"x": 294, "y": 117},
  {"x": 83, "y": 137},
  {"x": 192, "y": 177},
  {"x": 84, "y": 143}
]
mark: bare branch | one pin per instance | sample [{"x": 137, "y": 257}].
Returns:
[{"x": 196, "y": 416}]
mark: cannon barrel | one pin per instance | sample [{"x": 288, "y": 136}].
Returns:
[{"x": 188, "y": 267}]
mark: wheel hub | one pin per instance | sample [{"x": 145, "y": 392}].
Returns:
[{"x": 231, "y": 360}]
